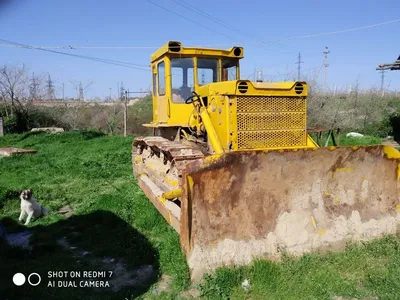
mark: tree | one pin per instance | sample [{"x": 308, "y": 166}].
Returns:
[{"x": 13, "y": 86}]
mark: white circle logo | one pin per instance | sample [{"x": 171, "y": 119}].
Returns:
[
  {"x": 19, "y": 279},
  {"x": 38, "y": 281}
]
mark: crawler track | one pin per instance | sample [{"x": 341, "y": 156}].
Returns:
[{"x": 158, "y": 164}]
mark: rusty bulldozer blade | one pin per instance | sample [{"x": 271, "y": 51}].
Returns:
[{"x": 243, "y": 205}]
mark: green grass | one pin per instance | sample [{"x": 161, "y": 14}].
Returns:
[
  {"x": 361, "y": 272},
  {"x": 360, "y": 141},
  {"x": 350, "y": 141},
  {"x": 93, "y": 174}
]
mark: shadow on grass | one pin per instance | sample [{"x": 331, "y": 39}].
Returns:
[
  {"x": 91, "y": 134},
  {"x": 29, "y": 134},
  {"x": 99, "y": 241},
  {"x": 8, "y": 194},
  {"x": 83, "y": 134}
]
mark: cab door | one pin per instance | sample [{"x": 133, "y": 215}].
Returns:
[{"x": 162, "y": 105}]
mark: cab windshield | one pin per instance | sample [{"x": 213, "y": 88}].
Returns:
[
  {"x": 182, "y": 74},
  {"x": 182, "y": 81}
]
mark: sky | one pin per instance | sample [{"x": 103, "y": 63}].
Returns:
[{"x": 140, "y": 23}]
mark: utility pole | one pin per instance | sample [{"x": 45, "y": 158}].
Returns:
[
  {"x": 326, "y": 52},
  {"x": 33, "y": 89},
  {"x": 260, "y": 77},
  {"x": 110, "y": 93},
  {"x": 125, "y": 110},
  {"x": 383, "y": 82},
  {"x": 63, "y": 92},
  {"x": 121, "y": 92},
  {"x": 50, "y": 89},
  {"x": 299, "y": 62},
  {"x": 118, "y": 95},
  {"x": 80, "y": 92}
]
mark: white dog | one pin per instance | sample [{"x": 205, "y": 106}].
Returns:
[{"x": 30, "y": 207}]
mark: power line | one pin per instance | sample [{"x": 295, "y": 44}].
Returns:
[
  {"x": 187, "y": 19},
  {"x": 101, "y": 47},
  {"x": 6, "y": 43},
  {"x": 335, "y": 32},
  {"x": 107, "y": 61},
  {"x": 216, "y": 20},
  {"x": 208, "y": 16}
]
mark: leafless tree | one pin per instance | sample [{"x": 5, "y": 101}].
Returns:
[{"x": 13, "y": 86}]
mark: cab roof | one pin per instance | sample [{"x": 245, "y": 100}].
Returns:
[{"x": 175, "y": 48}]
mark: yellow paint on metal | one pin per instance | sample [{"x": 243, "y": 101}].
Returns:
[
  {"x": 219, "y": 112},
  {"x": 398, "y": 172},
  {"x": 344, "y": 169},
  {"x": 167, "y": 50},
  {"x": 320, "y": 232},
  {"x": 313, "y": 222},
  {"x": 169, "y": 218},
  {"x": 189, "y": 183},
  {"x": 172, "y": 182},
  {"x": 212, "y": 134},
  {"x": 391, "y": 152},
  {"x": 340, "y": 170},
  {"x": 162, "y": 200},
  {"x": 172, "y": 194}
]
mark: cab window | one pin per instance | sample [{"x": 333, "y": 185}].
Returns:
[
  {"x": 207, "y": 70},
  {"x": 161, "y": 78},
  {"x": 229, "y": 69},
  {"x": 182, "y": 82}
]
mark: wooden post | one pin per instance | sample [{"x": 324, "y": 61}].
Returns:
[{"x": 1, "y": 127}]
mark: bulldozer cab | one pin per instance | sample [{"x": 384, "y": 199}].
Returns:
[{"x": 178, "y": 71}]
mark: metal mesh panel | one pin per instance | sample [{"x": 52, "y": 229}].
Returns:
[
  {"x": 266, "y": 139},
  {"x": 262, "y": 121},
  {"x": 271, "y": 104},
  {"x": 265, "y": 122}
]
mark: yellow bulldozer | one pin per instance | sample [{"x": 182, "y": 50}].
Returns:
[{"x": 233, "y": 170}]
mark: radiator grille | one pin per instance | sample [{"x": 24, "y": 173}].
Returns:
[
  {"x": 266, "y": 122},
  {"x": 271, "y": 104}
]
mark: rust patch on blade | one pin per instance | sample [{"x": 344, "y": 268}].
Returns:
[
  {"x": 241, "y": 195},
  {"x": 230, "y": 201}
]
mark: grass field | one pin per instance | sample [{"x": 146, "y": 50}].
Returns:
[{"x": 113, "y": 225}]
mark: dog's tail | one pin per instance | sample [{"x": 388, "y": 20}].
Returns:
[{"x": 44, "y": 210}]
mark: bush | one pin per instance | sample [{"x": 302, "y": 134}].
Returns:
[
  {"x": 25, "y": 120},
  {"x": 381, "y": 129},
  {"x": 82, "y": 116}
]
